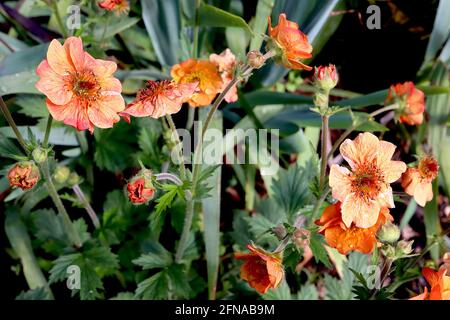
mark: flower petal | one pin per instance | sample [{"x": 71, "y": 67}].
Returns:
[
  {"x": 71, "y": 114},
  {"x": 339, "y": 182},
  {"x": 363, "y": 213},
  {"x": 360, "y": 151},
  {"x": 52, "y": 84},
  {"x": 59, "y": 58},
  {"x": 104, "y": 113},
  {"x": 423, "y": 193}
]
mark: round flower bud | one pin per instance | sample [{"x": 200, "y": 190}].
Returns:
[
  {"x": 388, "y": 233},
  {"x": 73, "y": 179},
  {"x": 61, "y": 174},
  {"x": 24, "y": 175},
  {"x": 39, "y": 155},
  {"x": 326, "y": 77},
  {"x": 255, "y": 59},
  {"x": 140, "y": 189}
]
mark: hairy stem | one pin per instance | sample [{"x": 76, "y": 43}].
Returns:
[
  {"x": 87, "y": 206},
  {"x": 68, "y": 225},
  {"x": 323, "y": 154},
  {"x": 58, "y": 19},
  {"x": 47, "y": 131},
  {"x": 13, "y": 126},
  {"x": 176, "y": 137}
]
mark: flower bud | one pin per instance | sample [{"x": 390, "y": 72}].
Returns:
[
  {"x": 73, "y": 179},
  {"x": 24, "y": 175},
  {"x": 388, "y": 233},
  {"x": 388, "y": 251},
  {"x": 61, "y": 174},
  {"x": 403, "y": 248},
  {"x": 255, "y": 59},
  {"x": 326, "y": 77},
  {"x": 140, "y": 189},
  {"x": 39, "y": 155}
]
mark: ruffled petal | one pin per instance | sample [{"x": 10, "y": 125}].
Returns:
[
  {"x": 363, "y": 213},
  {"x": 52, "y": 84},
  {"x": 361, "y": 151},
  {"x": 104, "y": 113},
  {"x": 59, "y": 58},
  {"x": 71, "y": 114},
  {"x": 339, "y": 182}
]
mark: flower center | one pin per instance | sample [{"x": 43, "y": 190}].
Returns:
[
  {"x": 367, "y": 181},
  {"x": 85, "y": 85},
  {"x": 153, "y": 89},
  {"x": 428, "y": 168}
]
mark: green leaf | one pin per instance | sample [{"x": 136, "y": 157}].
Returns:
[
  {"x": 441, "y": 31},
  {"x": 40, "y": 293},
  {"x": 21, "y": 82},
  {"x": 116, "y": 26},
  {"x": 178, "y": 282},
  {"x": 50, "y": 227},
  {"x": 210, "y": 16},
  {"x": 211, "y": 175},
  {"x": 113, "y": 147},
  {"x": 154, "y": 288},
  {"x": 308, "y": 292},
  {"x": 163, "y": 23},
  {"x": 8, "y": 149},
  {"x": 316, "y": 243},
  {"x": 165, "y": 201},
  {"x": 263, "y": 10},
  {"x": 26, "y": 59},
  {"x": 283, "y": 292},
  {"x": 161, "y": 258},
  {"x": 290, "y": 190}
]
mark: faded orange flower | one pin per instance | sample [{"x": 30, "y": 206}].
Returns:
[
  {"x": 81, "y": 91},
  {"x": 411, "y": 101},
  {"x": 366, "y": 189},
  {"x": 160, "y": 98},
  {"x": 440, "y": 285},
  {"x": 346, "y": 239},
  {"x": 226, "y": 63},
  {"x": 140, "y": 189},
  {"x": 262, "y": 270},
  {"x": 417, "y": 182},
  {"x": 120, "y": 6},
  {"x": 290, "y": 44},
  {"x": 205, "y": 73},
  {"x": 23, "y": 175}
]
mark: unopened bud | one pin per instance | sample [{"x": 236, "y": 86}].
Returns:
[
  {"x": 255, "y": 59},
  {"x": 39, "y": 155},
  {"x": 61, "y": 174},
  {"x": 404, "y": 248},
  {"x": 74, "y": 179},
  {"x": 388, "y": 233},
  {"x": 326, "y": 77}
]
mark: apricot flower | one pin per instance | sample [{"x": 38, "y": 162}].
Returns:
[
  {"x": 411, "y": 101},
  {"x": 262, "y": 270},
  {"x": 160, "y": 98},
  {"x": 366, "y": 189},
  {"x": 81, "y": 91},
  {"x": 23, "y": 175},
  {"x": 289, "y": 43},
  {"x": 440, "y": 285},
  {"x": 140, "y": 189},
  {"x": 353, "y": 238},
  {"x": 119, "y": 6},
  {"x": 417, "y": 181},
  {"x": 226, "y": 63},
  {"x": 205, "y": 73}
]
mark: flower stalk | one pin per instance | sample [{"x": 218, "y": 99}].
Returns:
[
  {"x": 176, "y": 137},
  {"x": 13, "y": 126}
]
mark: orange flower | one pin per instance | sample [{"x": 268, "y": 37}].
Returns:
[
  {"x": 205, "y": 73},
  {"x": 289, "y": 43},
  {"x": 417, "y": 181},
  {"x": 120, "y": 6},
  {"x": 366, "y": 189},
  {"x": 262, "y": 270},
  {"x": 440, "y": 285},
  {"x": 80, "y": 90},
  {"x": 159, "y": 98},
  {"x": 411, "y": 101},
  {"x": 226, "y": 63},
  {"x": 346, "y": 239},
  {"x": 24, "y": 175}
]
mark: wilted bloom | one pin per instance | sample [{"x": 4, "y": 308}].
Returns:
[
  {"x": 411, "y": 102},
  {"x": 346, "y": 239},
  {"x": 417, "y": 182},
  {"x": 205, "y": 74},
  {"x": 24, "y": 175},
  {"x": 262, "y": 270},
  {"x": 119, "y": 6},
  {"x": 255, "y": 59},
  {"x": 289, "y": 43},
  {"x": 140, "y": 189},
  {"x": 440, "y": 285},
  {"x": 226, "y": 63},
  {"x": 81, "y": 91},
  {"x": 160, "y": 98},
  {"x": 366, "y": 189},
  {"x": 326, "y": 77}
]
